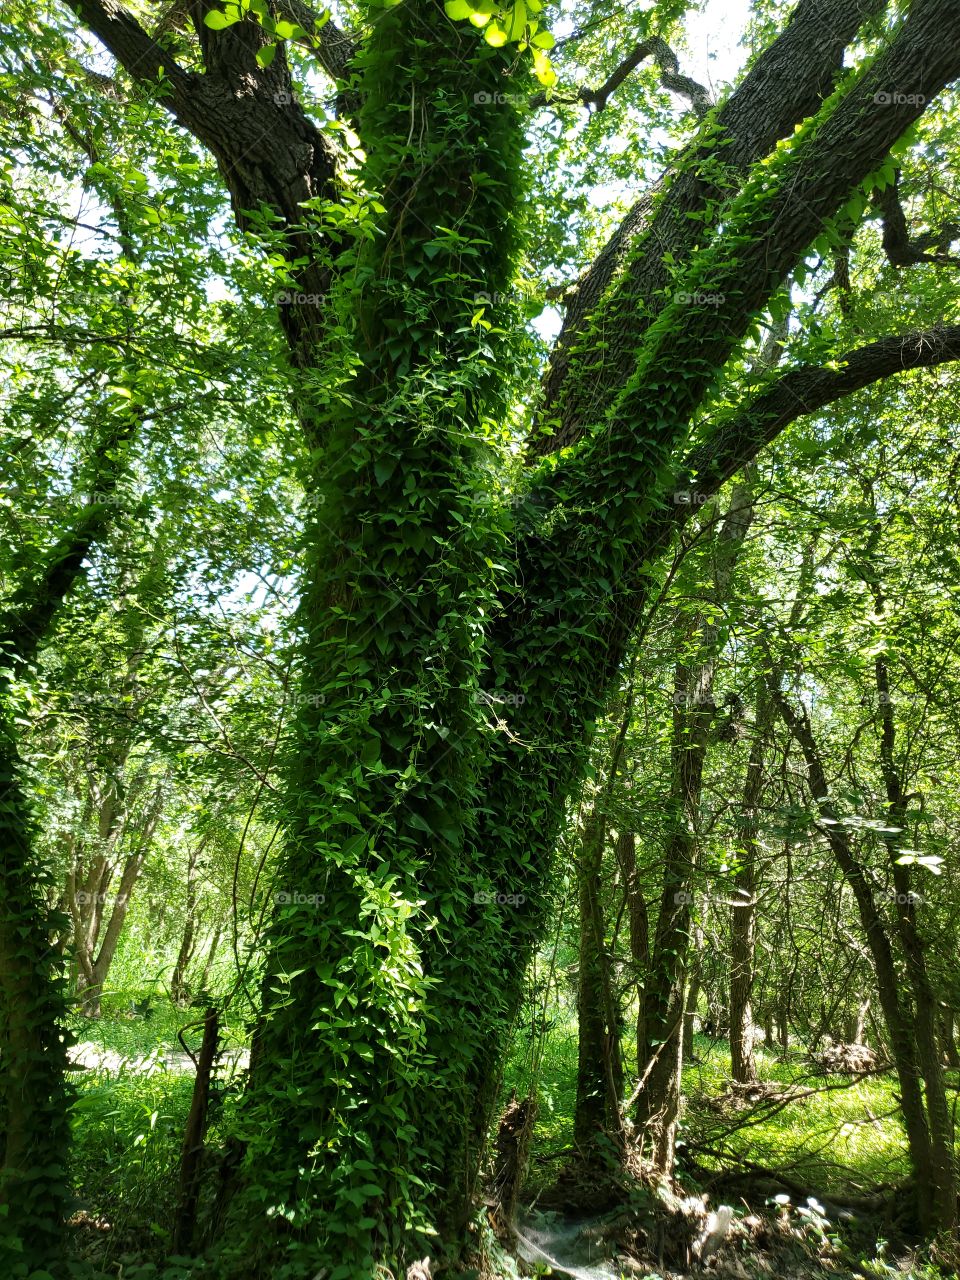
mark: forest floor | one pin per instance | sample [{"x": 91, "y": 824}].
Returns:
[
  {"x": 805, "y": 1165},
  {"x": 801, "y": 1169}
]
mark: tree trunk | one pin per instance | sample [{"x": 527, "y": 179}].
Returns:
[
  {"x": 638, "y": 924},
  {"x": 660, "y": 1051},
  {"x": 94, "y": 976},
  {"x": 178, "y": 986},
  {"x": 34, "y": 1127},
  {"x": 211, "y": 955},
  {"x": 599, "y": 1063},
  {"x": 856, "y": 1025},
  {"x": 948, "y": 1040},
  {"x": 743, "y": 912},
  {"x": 420, "y": 821},
  {"x": 905, "y": 1026}
]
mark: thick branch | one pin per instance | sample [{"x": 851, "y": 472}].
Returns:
[
  {"x": 785, "y": 85},
  {"x": 803, "y": 391},
  {"x": 332, "y": 48},
  {"x": 270, "y": 153},
  {"x": 30, "y": 613}
]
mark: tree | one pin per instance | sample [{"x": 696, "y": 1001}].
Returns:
[{"x": 455, "y": 650}]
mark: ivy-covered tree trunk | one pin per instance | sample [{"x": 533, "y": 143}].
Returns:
[
  {"x": 357, "y": 1114},
  {"x": 423, "y": 813},
  {"x": 33, "y": 1117}
]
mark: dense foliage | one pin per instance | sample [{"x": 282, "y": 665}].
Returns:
[{"x": 477, "y": 620}]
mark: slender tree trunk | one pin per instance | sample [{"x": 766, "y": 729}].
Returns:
[
  {"x": 95, "y": 974},
  {"x": 743, "y": 912},
  {"x": 178, "y": 988},
  {"x": 856, "y": 1027},
  {"x": 693, "y": 1000},
  {"x": 899, "y": 1017},
  {"x": 599, "y": 1062},
  {"x": 660, "y": 1052},
  {"x": 948, "y": 1041},
  {"x": 211, "y": 955},
  {"x": 638, "y": 923}
]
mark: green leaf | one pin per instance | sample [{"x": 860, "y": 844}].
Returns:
[
  {"x": 289, "y": 30},
  {"x": 266, "y": 55},
  {"x": 217, "y": 20}
]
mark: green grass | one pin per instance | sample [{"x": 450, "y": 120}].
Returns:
[
  {"x": 127, "y": 1122},
  {"x": 127, "y": 1131},
  {"x": 135, "y": 1037},
  {"x": 556, "y": 1084},
  {"x": 827, "y": 1139},
  {"x": 845, "y": 1136}
]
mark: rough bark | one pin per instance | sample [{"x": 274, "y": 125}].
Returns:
[{"x": 625, "y": 286}]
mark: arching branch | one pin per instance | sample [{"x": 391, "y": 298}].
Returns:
[
  {"x": 670, "y": 77},
  {"x": 785, "y": 85},
  {"x": 803, "y": 391}
]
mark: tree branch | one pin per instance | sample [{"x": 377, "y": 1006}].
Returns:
[
  {"x": 785, "y": 85},
  {"x": 670, "y": 77},
  {"x": 29, "y": 615},
  {"x": 334, "y": 49},
  {"x": 803, "y": 391},
  {"x": 271, "y": 155},
  {"x": 900, "y": 249}
]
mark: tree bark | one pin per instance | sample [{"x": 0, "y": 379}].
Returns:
[
  {"x": 597, "y": 1119},
  {"x": 743, "y": 913}
]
